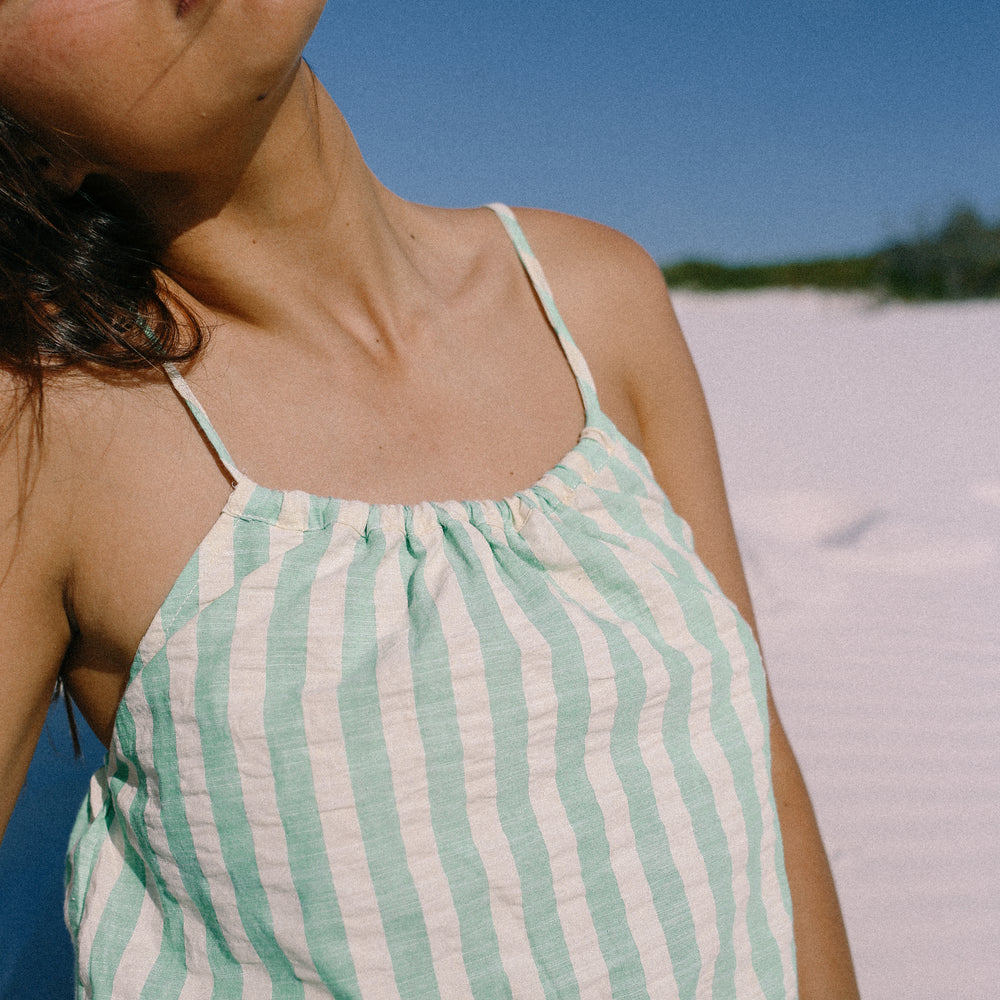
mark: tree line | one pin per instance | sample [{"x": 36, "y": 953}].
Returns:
[{"x": 959, "y": 260}]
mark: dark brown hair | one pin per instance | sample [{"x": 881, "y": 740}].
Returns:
[{"x": 79, "y": 281}]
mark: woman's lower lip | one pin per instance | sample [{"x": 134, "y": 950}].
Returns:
[{"x": 183, "y": 6}]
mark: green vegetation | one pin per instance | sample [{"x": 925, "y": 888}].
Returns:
[{"x": 961, "y": 260}]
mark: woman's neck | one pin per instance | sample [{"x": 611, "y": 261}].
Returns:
[{"x": 300, "y": 224}]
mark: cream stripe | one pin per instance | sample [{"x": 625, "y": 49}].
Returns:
[
  {"x": 651, "y": 512},
  {"x": 676, "y": 820},
  {"x": 746, "y": 710},
  {"x": 150, "y": 920},
  {"x": 745, "y": 706},
  {"x": 144, "y": 945},
  {"x": 195, "y": 944},
  {"x": 349, "y": 870},
  {"x": 713, "y": 760},
  {"x": 152, "y": 816},
  {"x": 106, "y": 870}
]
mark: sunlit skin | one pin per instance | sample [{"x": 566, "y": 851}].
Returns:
[{"x": 361, "y": 346}]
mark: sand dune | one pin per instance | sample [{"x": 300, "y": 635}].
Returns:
[{"x": 861, "y": 444}]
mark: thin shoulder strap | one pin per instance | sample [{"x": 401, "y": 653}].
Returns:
[
  {"x": 201, "y": 419},
  {"x": 536, "y": 276}
]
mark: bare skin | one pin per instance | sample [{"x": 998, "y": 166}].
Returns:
[{"x": 361, "y": 347}]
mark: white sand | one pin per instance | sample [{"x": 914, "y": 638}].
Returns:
[{"x": 861, "y": 444}]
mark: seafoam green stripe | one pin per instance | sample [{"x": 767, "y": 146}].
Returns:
[
  {"x": 121, "y": 911},
  {"x": 181, "y": 604},
  {"x": 727, "y": 726},
  {"x": 725, "y": 723},
  {"x": 86, "y": 838},
  {"x": 700, "y": 607},
  {"x": 437, "y": 717},
  {"x": 468, "y": 556},
  {"x": 167, "y": 977},
  {"x": 624, "y": 510},
  {"x": 765, "y": 953},
  {"x": 759, "y": 687},
  {"x": 288, "y": 743},
  {"x": 216, "y": 627},
  {"x": 101, "y": 959},
  {"x": 651, "y": 837},
  {"x": 371, "y": 780},
  {"x": 585, "y": 541},
  {"x": 765, "y": 947},
  {"x": 569, "y": 668},
  {"x": 251, "y": 534},
  {"x": 623, "y": 506},
  {"x": 168, "y": 974}
]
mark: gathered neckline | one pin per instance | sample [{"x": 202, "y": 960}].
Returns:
[{"x": 301, "y": 510}]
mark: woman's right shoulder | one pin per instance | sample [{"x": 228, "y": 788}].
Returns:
[
  {"x": 61, "y": 456},
  {"x": 51, "y": 444},
  {"x": 37, "y": 466},
  {"x": 37, "y": 472},
  {"x": 48, "y": 445}
]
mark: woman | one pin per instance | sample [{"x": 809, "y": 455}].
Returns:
[{"x": 402, "y": 742}]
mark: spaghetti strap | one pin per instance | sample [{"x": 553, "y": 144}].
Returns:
[
  {"x": 536, "y": 276},
  {"x": 201, "y": 419}
]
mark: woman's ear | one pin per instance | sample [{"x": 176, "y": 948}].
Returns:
[
  {"x": 65, "y": 174},
  {"x": 53, "y": 161}
]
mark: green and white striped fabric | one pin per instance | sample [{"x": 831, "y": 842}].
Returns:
[{"x": 513, "y": 748}]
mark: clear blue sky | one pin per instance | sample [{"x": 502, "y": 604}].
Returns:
[{"x": 734, "y": 130}]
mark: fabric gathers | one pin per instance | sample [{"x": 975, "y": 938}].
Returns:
[{"x": 504, "y": 748}]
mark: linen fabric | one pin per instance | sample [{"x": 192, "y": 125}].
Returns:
[{"x": 503, "y": 748}]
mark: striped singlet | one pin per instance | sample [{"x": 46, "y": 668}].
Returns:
[{"x": 505, "y": 748}]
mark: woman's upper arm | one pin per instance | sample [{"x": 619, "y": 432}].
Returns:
[
  {"x": 677, "y": 434},
  {"x": 34, "y": 626}
]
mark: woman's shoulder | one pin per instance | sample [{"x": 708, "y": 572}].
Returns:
[
  {"x": 591, "y": 259},
  {"x": 51, "y": 440},
  {"x": 112, "y": 497},
  {"x": 616, "y": 304},
  {"x": 36, "y": 459},
  {"x": 91, "y": 462}
]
